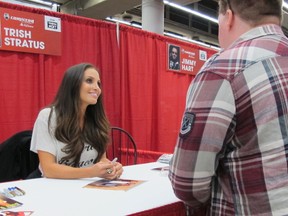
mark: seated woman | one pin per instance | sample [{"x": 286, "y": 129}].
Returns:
[{"x": 71, "y": 135}]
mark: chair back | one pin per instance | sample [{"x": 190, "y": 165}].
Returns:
[
  {"x": 122, "y": 146},
  {"x": 16, "y": 159}
]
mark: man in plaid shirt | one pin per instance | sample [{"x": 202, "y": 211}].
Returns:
[{"x": 231, "y": 156}]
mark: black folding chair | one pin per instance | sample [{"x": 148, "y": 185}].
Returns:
[
  {"x": 122, "y": 146},
  {"x": 16, "y": 159}
]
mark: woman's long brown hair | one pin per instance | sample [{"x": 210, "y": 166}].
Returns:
[{"x": 66, "y": 106}]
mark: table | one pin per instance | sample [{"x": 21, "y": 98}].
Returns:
[{"x": 58, "y": 197}]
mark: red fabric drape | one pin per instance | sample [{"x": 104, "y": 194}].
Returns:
[
  {"x": 152, "y": 98},
  {"x": 28, "y": 82},
  {"x": 140, "y": 95}
]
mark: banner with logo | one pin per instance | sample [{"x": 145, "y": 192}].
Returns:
[
  {"x": 185, "y": 59},
  {"x": 28, "y": 32}
]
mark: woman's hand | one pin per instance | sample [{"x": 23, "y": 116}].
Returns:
[
  {"x": 108, "y": 170},
  {"x": 118, "y": 169}
]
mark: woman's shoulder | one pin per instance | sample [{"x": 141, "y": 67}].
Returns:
[{"x": 44, "y": 113}]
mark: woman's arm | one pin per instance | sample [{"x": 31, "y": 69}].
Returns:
[{"x": 51, "y": 169}]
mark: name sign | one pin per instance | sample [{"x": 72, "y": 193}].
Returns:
[
  {"x": 185, "y": 59},
  {"x": 27, "y": 32}
]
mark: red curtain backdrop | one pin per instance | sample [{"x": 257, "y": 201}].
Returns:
[
  {"x": 140, "y": 95},
  {"x": 152, "y": 98},
  {"x": 28, "y": 82}
]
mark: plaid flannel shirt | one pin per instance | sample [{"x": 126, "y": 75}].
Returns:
[{"x": 231, "y": 153}]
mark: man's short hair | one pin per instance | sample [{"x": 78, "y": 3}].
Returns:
[{"x": 252, "y": 11}]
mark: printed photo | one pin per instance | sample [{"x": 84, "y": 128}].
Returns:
[
  {"x": 117, "y": 184},
  {"x": 173, "y": 57}
]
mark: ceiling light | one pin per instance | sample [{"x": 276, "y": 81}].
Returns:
[
  {"x": 165, "y": 33},
  {"x": 41, "y": 2},
  {"x": 190, "y": 40},
  {"x": 48, "y": 5},
  {"x": 119, "y": 21},
  {"x": 285, "y": 5},
  {"x": 194, "y": 12}
]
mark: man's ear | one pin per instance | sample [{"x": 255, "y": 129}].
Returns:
[{"x": 230, "y": 19}]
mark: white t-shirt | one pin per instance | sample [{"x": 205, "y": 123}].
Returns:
[{"x": 45, "y": 141}]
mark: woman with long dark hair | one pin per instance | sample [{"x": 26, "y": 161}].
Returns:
[{"x": 71, "y": 135}]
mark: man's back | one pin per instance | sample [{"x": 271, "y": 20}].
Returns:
[
  {"x": 242, "y": 121},
  {"x": 253, "y": 175}
]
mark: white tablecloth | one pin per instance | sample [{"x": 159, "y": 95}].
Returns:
[{"x": 56, "y": 197}]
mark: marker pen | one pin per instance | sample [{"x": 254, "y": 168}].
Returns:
[{"x": 20, "y": 190}]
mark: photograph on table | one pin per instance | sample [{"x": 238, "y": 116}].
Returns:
[
  {"x": 117, "y": 184},
  {"x": 16, "y": 213},
  {"x": 7, "y": 203}
]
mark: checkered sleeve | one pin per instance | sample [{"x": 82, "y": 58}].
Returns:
[{"x": 207, "y": 123}]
